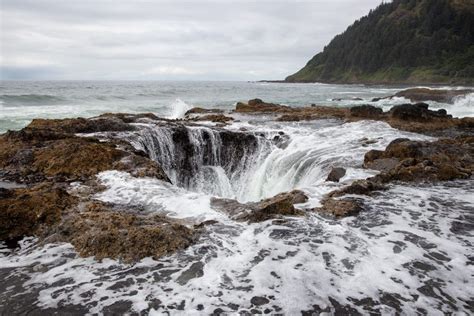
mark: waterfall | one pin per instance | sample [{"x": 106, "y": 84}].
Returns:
[
  {"x": 249, "y": 166},
  {"x": 205, "y": 159}
]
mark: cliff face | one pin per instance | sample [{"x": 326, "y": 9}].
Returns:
[{"x": 404, "y": 41}]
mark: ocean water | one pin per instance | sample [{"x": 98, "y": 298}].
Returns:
[
  {"x": 21, "y": 101},
  {"x": 408, "y": 252}
]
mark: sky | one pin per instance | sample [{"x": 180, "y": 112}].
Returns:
[{"x": 167, "y": 40}]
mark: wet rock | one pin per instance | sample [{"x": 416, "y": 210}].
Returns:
[
  {"x": 382, "y": 164},
  {"x": 259, "y": 300},
  {"x": 336, "y": 174},
  {"x": 366, "y": 111},
  {"x": 416, "y": 112},
  {"x": 257, "y": 105},
  {"x": 36, "y": 154},
  {"x": 216, "y": 118},
  {"x": 194, "y": 271},
  {"x": 102, "y": 231},
  {"x": 438, "y": 95},
  {"x": 274, "y": 207},
  {"x": 81, "y": 125},
  {"x": 359, "y": 187},
  {"x": 405, "y": 160},
  {"x": 339, "y": 207},
  {"x": 26, "y": 211},
  {"x": 198, "y": 110}
]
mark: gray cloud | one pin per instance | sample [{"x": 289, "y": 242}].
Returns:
[{"x": 209, "y": 40}]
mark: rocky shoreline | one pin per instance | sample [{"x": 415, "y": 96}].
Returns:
[{"x": 56, "y": 163}]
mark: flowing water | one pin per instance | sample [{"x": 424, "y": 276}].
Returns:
[
  {"x": 21, "y": 101},
  {"x": 409, "y": 251}
]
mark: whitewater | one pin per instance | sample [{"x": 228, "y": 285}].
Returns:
[
  {"x": 22, "y": 101},
  {"x": 409, "y": 253}
]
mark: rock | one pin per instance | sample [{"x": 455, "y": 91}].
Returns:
[
  {"x": 438, "y": 95},
  {"x": 366, "y": 111},
  {"x": 33, "y": 155},
  {"x": 198, "y": 110},
  {"x": 336, "y": 174},
  {"x": 102, "y": 231},
  {"x": 447, "y": 159},
  {"x": 81, "y": 125},
  {"x": 416, "y": 112},
  {"x": 259, "y": 300},
  {"x": 25, "y": 211},
  {"x": 217, "y": 118},
  {"x": 359, "y": 187},
  {"x": 257, "y": 105},
  {"x": 274, "y": 207},
  {"x": 383, "y": 164},
  {"x": 339, "y": 207}
]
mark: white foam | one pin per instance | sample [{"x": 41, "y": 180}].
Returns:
[
  {"x": 402, "y": 246},
  {"x": 178, "y": 109}
]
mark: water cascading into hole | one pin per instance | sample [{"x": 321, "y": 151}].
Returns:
[
  {"x": 203, "y": 159},
  {"x": 244, "y": 165}
]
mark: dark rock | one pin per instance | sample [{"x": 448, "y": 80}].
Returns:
[
  {"x": 259, "y": 300},
  {"x": 25, "y": 211},
  {"x": 336, "y": 174},
  {"x": 366, "y": 111},
  {"x": 274, "y": 207},
  {"x": 339, "y": 207},
  {"x": 438, "y": 95},
  {"x": 104, "y": 232},
  {"x": 415, "y": 112}
]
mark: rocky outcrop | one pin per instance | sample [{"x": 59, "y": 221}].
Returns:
[
  {"x": 366, "y": 111},
  {"x": 339, "y": 207},
  {"x": 416, "y": 118},
  {"x": 411, "y": 161},
  {"x": 271, "y": 208},
  {"x": 27, "y": 211},
  {"x": 426, "y": 94},
  {"x": 198, "y": 110},
  {"x": 259, "y": 106},
  {"x": 216, "y": 118},
  {"x": 336, "y": 174},
  {"x": 48, "y": 155},
  {"x": 416, "y": 112},
  {"x": 105, "y": 231},
  {"x": 50, "y": 150},
  {"x": 445, "y": 159}
]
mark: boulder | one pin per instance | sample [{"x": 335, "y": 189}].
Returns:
[
  {"x": 339, "y": 207},
  {"x": 336, "y": 174},
  {"x": 274, "y": 207},
  {"x": 257, "y": 105},
  {"x": 426, "y": 94},
  {"x": 366, "y": 111},
  {"x": 416, "y": 112}
]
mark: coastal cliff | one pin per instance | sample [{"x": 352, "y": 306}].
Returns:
[{"x": 404, "y": 41}]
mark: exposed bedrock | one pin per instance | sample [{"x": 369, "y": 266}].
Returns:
[
  {"x": 47, "y": 155},
  {"x": 49, "y": 150},
  {"x": 437, "y": 95},
  {"x": 407, "y": 161},
  {"x": 107, "y": 231},
  {"x": 416, "y": 118},
  {"x": 271, "y": 208}
]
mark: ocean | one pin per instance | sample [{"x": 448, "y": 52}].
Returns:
[
  {"x": 22, "y": 101},
  {"x": 408, "y": 252}
]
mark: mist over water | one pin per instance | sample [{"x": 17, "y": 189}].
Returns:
[{"x": 21, "y": 101}]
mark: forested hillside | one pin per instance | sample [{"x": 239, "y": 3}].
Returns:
[{"x": 404, "y": 41}]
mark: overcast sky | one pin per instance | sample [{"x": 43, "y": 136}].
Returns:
[{"x": 189, "y": 40}]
